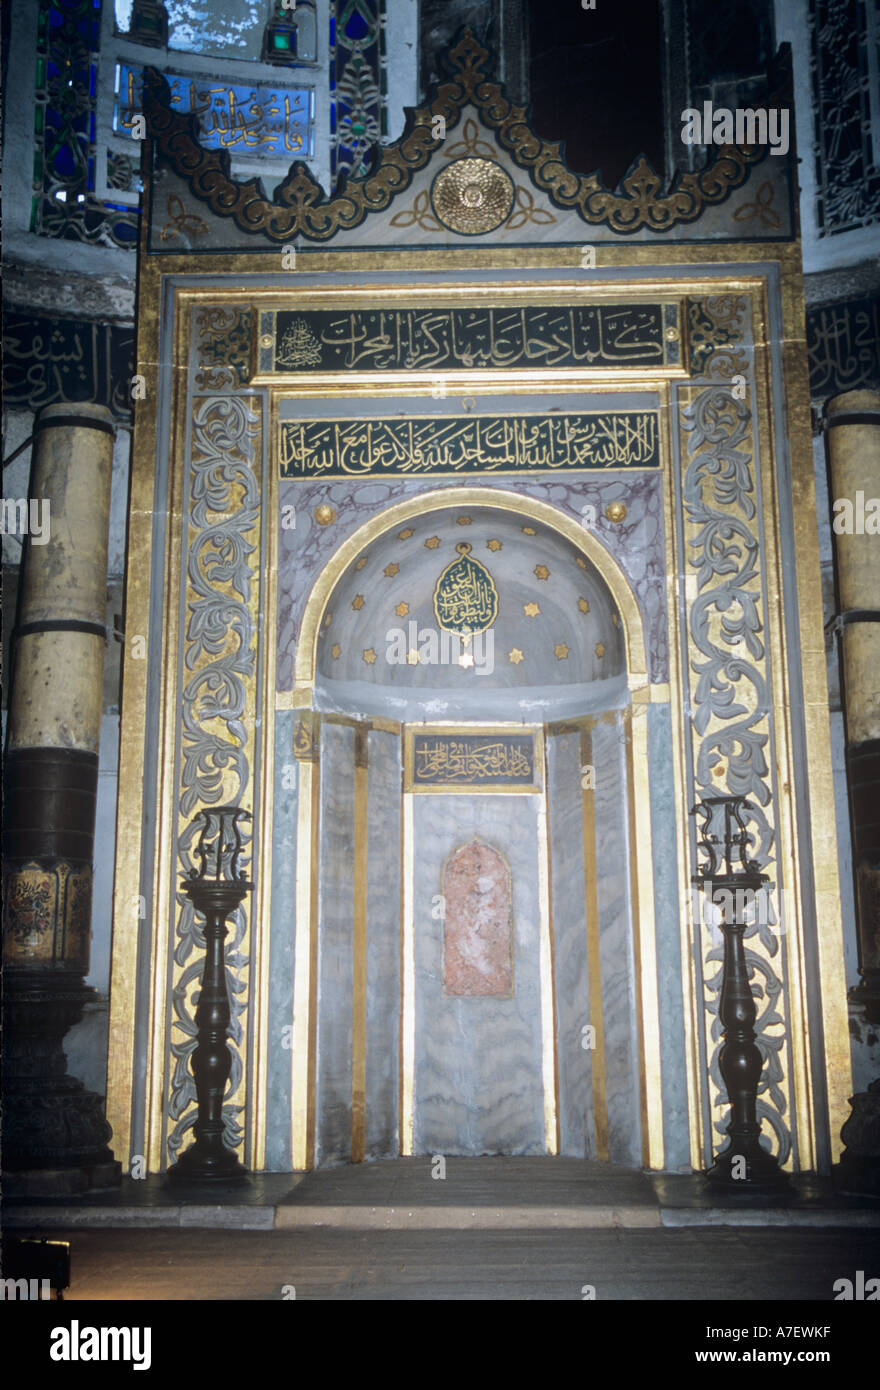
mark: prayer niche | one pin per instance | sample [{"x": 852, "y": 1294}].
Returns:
[{"x": 478, "y": 954}]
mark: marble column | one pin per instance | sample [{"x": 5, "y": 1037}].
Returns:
[
  {"x": 55, "y": 1134},
  {"x": 853, "y": 442}
]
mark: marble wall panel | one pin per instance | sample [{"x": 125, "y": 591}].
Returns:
[
  {"x": 571, "y": 967},
  {"x": 335, "y": 946},
  {"x": 664, "y": 839},
  {"x": 478, "y": 1082},
  {"x": 282, "y": 929},
  {"x": 616, "y": 944},
  {"x": 383, "y": 945}
]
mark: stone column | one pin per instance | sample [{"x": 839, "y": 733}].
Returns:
[
  {"x": 55, "y": 1135},
  {"x": 853, "y": 443}
]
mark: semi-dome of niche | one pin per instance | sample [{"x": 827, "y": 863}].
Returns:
[{"x": 464, "y": 601}]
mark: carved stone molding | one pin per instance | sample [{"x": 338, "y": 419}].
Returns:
[{"x": 301, "y": 207}]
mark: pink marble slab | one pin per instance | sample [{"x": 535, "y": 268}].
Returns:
[{"x": 478, "y": 923}]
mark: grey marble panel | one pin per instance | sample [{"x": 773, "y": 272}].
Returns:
[
  {"x": 667, "y": 914},
  {"x": 335, "y": 945},
  {"x": 383, "y": 946},
  {"x": 571, "y": 969},
  {"x": 616, "y": 944},
  {"x": 282, "y": 929},
  {"x": 478, "y": 1082}
]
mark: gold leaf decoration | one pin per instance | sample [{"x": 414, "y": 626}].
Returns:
[
  {"x": 526, "y": 211},
  {"x": 301, "y": 208},
  {"x": 419, "y": 215}
]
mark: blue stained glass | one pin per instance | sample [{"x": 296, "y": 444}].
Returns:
[
  {"x": 65, "y": 127},
  {"x": 357, "y": 27},
  {"x": 268, "y": 122},
  {"x": 64, "y": 163},
  {"x": 356, "y": 85}
]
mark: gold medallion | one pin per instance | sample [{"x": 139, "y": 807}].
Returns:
[
  {"x": 472, "y": 196},
  {"x": 465, "y": 599}
]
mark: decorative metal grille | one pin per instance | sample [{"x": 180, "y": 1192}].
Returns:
[
  {"x": 845, "y": 54},
  {"x": 64, "y": 201}
]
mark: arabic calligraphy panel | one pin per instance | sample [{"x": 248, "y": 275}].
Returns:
[
  {"x": 452, "y": 760},
  {"x": 843, "y": 343},
  {"x": 50, "y": 361},
  {"x": 260, "y": 122},
  {"x": 469, "y": 444},
  {"x": 449, "y": 339}
]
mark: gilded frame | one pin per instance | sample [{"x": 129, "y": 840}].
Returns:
[{"x": 167, "y": 286}]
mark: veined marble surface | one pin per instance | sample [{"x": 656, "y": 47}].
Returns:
[{"x": 478, "y": 1081}]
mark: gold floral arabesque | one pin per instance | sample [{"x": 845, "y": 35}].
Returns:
[
  {"x": 302, "y": 208},
  {"x": 472, "y": 196}
]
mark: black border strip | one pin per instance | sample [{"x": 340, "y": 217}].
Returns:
[
  {"x": 858, "y": 615},
  {"x": 79, "y": 421},
  {"x": 61, "y": 625},
  {"x": 854, "y": 417}
]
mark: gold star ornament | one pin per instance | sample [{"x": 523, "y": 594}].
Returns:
[
  {"x": 493, "y": 544},
  {"x": 370, "y": 656},
  {"x": 357, "y": 602},
  {"x": 583, "y": 605},
  {"x": 542, "y": 572},
  {"x": 516, "y": 656},
  {"x": 432, "y": 542},
  {"x": 402, "y": 609},
  {"x": 531, "y": 610}
]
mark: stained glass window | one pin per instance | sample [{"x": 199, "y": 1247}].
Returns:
[
  {"x": 846, "y": 90},
  {"x": 65, "y": 203},
  {"x": 255, "y": 121},
  {"x": 358, "y": 96}
]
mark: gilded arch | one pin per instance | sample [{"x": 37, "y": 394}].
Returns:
[{"x": 589, "y": 545}]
